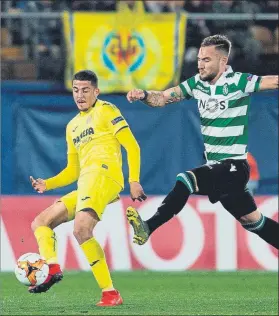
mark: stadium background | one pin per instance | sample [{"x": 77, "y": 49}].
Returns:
[{"x": 36, "y": 106}]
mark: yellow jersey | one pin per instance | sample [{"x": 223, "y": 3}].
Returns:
[{"x": 91, "y": 135}]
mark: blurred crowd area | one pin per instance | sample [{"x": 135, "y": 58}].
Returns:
[{"x": 35, "y": 47}]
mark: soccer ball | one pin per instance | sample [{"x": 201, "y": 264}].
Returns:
[{"x": 31, "y": 269}]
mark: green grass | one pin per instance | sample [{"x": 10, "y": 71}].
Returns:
[{"x": 149, "y": 293}]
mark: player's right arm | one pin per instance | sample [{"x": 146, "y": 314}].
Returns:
[
  {"x": 67, "y": 176},
  {"x": 156, "y": 98}
]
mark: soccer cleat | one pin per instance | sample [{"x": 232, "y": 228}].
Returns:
[
  {"x": 141, "y": 231},
  {"x": 55, "y": 275},
  {"x": 110, "y": 298}
]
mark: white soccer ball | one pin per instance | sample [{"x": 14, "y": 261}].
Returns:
[{"x": 31, "y": 269}]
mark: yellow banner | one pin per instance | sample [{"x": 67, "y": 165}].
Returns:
[{"x": 126, "y": 50}]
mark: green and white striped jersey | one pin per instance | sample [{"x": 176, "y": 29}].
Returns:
[{"x": 223, "y": 109}]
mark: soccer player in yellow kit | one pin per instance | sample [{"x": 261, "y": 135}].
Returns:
[{"x": 94, "y": 138}]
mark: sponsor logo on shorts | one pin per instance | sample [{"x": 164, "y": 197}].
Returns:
[
  {"x": 233, "y": 168},
  {"x": 104, "y": 166},
  {"x": 85, "y": 198}
]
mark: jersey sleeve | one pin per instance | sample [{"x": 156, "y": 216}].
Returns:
[
  {"x": 115, "y": 119},
  {"x": 71, "y": 149},
  {"x": 128, "y": 141},
  {"x": 67, "y": 176},
  {"x": 187, "y": 86},
  {"x": 249, "y": 83}
]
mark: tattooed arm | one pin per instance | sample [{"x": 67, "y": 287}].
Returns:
[{"x": 156, "y": 98}]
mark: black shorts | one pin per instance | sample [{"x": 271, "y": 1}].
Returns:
[{"x": 225, "y": 181}]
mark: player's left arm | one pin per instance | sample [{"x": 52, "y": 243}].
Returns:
[
  {"x": 120, "y": 129},
  {"x": 128, "y": 141},
  {"x": 269, "y": 83}
]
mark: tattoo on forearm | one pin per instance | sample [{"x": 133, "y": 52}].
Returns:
[
  {"x": 155, "y": 98},
  {"x": 175, "y": 96},
  {"x": 160, "y": 98}
]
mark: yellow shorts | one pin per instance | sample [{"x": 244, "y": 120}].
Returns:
[{"x": 95, "y": 191}]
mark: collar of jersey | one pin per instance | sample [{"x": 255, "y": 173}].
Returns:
[
  {"x": 83, "y": 113},
  {"x": 227, "y": 71}
]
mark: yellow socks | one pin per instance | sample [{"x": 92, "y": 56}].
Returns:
[
  {"x": 46, "y": 240},
  {"x": 94, "y": 253},
  {"x": 96, "y": 258}
]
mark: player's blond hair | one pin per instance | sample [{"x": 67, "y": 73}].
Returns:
[{"x": 221, "y": 43}]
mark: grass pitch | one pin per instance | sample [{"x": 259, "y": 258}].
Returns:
[{"x": 149, "y": 293}]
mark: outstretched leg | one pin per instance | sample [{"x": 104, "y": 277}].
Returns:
[
  {"x": 263, "y": 226},
  {"x": 243, "y": 207},
  {"x": 171, "y": 206}
]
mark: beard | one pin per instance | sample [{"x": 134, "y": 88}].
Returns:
[{"x": 208, "y": 77}]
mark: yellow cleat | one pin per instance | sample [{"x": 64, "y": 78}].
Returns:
[{"x": 141, "y": 231}]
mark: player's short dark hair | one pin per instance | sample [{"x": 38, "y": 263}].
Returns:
[
  {"x": 87, "y": 75},
  {"x": 221, "y": 43}
]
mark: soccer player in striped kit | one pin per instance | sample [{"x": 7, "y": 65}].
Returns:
[{"x": 223, "y": 98}]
